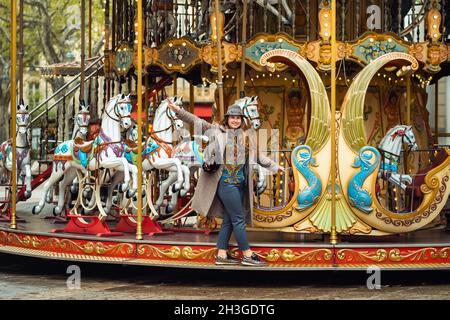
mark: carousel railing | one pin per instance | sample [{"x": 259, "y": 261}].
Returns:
[
  {"x": 298, "y": 18},
  {"x": 280, "y": 187},
  {"x": 413, "y": 164},
  {"x": 42, "y": 114}
]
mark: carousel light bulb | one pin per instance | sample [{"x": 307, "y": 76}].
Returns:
[
  {"x": 280, "y": 40},
  {"x": 278, "y": 75},
  {"x": 183, "y": 65},
  {"x": 435, "y": 17},
  {"x": 261, "y": 40},
  {"x": 435, "y": 35},
  {"x": 279, "y": 200},
  {"x": 245, "y": 81},
  {"x": 281, "y": 191},
  {"x": 270, "y": 74},
  {"x": 136, "y": 24},
  {"x": 434, "y": 26},
  {"x": 170, "y": 65},
  {"x": 184, "y": 44}
]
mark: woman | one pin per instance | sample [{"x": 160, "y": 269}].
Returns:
[{"x": 229, "y": 189}]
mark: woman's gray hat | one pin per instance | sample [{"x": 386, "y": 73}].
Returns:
[{"x": 234, "y": 110}]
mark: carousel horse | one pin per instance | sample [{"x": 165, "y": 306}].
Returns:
[
  {"x": 23, "y": 159},
  {"x": 104, "y": 152},
  {"x": 80, "y": 133},
  {"x": 158, "y": 153},
  {"x": 391, "y": 148}
]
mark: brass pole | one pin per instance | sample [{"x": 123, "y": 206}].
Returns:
[
  {"x": 90, "y": 30},
  {"x": 21, "y": 48},
  {"x": 408, "y": 100},
  {"x": 219, "y": 62},
  {"x": 12, "y": 123},
  {"x": 333, "y": 236},
  {"x": 191, "y": 103},
  {"x": 146, "y": 104},
  {"x": 244, "y": 40},
  {"x": 139, "y": 119},
  {"x": 436, "y": 112},
  {"x": 83, "y": 45},
  {"x": 175, "y": 91}
]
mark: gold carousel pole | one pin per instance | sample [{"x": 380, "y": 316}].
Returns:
[
  {"x": 219, "y": 61},
  {"x": 83, "y": 47},
  {"x": 333, "y": 236},
  {"x": 21, "y": 48},
  {"x": 436, "y": 112},
  {"x": 244, "y": 40},
  {"x": 139, "y": 119},
  {"x": 12, "y": 123},
  {"x": 408, "y": 100}
]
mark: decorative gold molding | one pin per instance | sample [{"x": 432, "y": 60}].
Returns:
[
  {"x": 230, "y": 53},
  {"x": 66, "y": 245},
  {"x": 393, "y": 255},
  {"x": 175, "y": 252},
  {"x": 289, "y": 255}
]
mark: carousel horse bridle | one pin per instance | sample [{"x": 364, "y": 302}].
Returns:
[
  {"x": 247, "y": 114},
  {"x": 172, "y": 118},
  {"x": 26, "y": 126}
]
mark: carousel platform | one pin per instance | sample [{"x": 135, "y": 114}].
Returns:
[{"x": 425, "y": 249}]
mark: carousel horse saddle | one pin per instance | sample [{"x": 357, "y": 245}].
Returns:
[{"x": 84, "y": 146}]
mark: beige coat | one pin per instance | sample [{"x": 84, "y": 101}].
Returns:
[{"x": 205, "y": 200}]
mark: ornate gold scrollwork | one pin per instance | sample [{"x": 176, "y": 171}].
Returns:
[
  {"x": 66, "y": 245},
  {"x": 288, "y": 255},
  {"x": 155, "y": 252}
]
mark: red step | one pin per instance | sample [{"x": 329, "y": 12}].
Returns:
[{"x": 94, "y": 227}]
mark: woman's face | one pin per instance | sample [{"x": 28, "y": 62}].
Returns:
[{"x": 234, "y": 122}]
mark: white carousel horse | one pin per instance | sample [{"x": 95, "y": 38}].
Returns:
[
  {"x": 80, "y": 131},
  {"x": 157, "y": 152},
  {"x": 104, "y": 152},
  {"x": 23, "y": 158},
  {"x": 391, "y": 148}
]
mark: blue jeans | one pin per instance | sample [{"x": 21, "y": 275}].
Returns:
[{"x": 231, "y": 196}]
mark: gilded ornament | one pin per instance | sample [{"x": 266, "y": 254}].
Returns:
[{"x": 189, "y": 253}]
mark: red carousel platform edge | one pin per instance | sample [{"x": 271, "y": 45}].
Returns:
[{"x": 422, "y": 250}]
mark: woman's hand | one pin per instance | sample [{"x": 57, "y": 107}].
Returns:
[
  {"x": 281, "y": 169},
  {"x": 173, "y": 107}
]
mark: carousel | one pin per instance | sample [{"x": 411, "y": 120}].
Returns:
[{"x": 338, "y": 90}]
